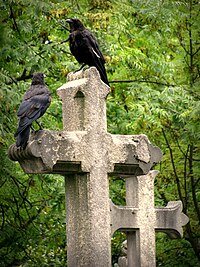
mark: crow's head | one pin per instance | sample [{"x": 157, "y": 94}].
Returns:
[
  {"x": 38, "y": 78},
  {"x": 75, "y": 24}
]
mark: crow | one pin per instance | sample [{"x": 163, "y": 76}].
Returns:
[
  {"x": 35, "y": 102},
  {"x": 84, "y": 47}
]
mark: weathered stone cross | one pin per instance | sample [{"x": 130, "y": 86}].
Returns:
[
  {"x": 86, "y": 154},
  {"x": 139, "y": 220}
]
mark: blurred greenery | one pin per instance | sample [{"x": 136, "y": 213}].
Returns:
[{"x": 152, "y": 54}]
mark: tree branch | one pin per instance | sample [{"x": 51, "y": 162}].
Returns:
[
  {"x": 197, "y": 181},
  {"x": 3, "y": 217},
  {"x": 12, "y": 16},
  {"x": 142, "y": 81},
  {"x": 23, "y": 77},
  {"x": 193, "y": 241},
  {"x": 180, "y": 38},
  {"x": 193, "y": 182},
  {"x": 185, "y": 178},
  {"x": 174, "y": 167},
  {"x": 198, "y": 49}
]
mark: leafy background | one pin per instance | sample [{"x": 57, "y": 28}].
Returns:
[{"x": 152, "y": 53}]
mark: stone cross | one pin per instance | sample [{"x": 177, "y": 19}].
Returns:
[
  {"x": 86, "y": 154},
  {"x": 139, "y": 220}
]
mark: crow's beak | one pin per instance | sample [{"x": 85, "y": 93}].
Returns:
[{"x": 68, "y": 20}]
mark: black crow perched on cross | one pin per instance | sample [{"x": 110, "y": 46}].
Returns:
[
  {"x": 35, "y": 102},
  {"x": 85, "y": 49}
]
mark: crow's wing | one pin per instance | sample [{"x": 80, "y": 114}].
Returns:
[
  {"x": 94, "y": 46},
  {"x": 31, "y": 109},
  {"x": 84, "y": 47},
  {"x": 39, "y": 89},
  {"x": 97, "y": 58}
]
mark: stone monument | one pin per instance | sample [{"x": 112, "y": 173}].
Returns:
[{"x": 86, "y": 154}]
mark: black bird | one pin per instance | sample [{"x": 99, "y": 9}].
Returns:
[
  {"x": 85, "y": 49},
  {"x": 36, "y": 100}
]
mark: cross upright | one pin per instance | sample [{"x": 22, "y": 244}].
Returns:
[{"x": 86, "y": 154}]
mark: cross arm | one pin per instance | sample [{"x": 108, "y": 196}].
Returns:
[
  {"x": 50, "y": 152},
  {"x": 132, "y": 154},
  {"x": 123, "y": 218},
  {"x": 171, "y": 219}
]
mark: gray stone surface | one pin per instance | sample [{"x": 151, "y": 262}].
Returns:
[
  {"x": 171, "y": 219},
  {"x": 122, "y": 154}
]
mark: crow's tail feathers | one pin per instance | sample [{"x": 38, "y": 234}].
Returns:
[
  {"x": 102, "y": 71},
  {"x": 22, "y": 137}
]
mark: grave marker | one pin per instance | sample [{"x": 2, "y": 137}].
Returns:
[{"x": 86, "y": 154}]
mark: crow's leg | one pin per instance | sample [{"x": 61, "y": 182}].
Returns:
[
  {"x": 32, "y": 129},
  {"x": 41, "y": 128},
  {"x": 80, "y": 68}
]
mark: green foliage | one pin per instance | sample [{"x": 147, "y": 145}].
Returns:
[
  {"x": 32, "y": 223},
  {"x": 179, "y": 250},
  {"x": 154, "y": 45}
]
